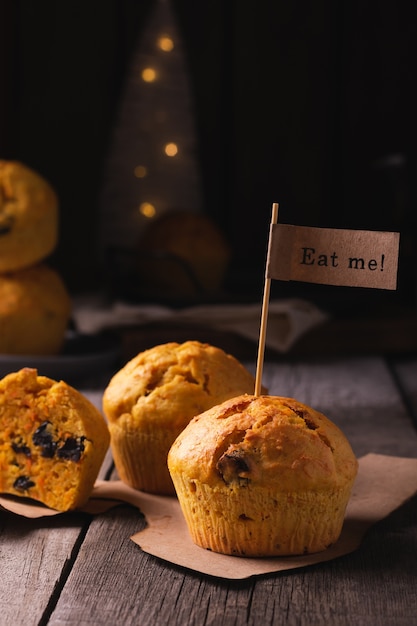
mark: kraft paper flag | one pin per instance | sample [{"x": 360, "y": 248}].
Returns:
[{"x": 355, "y": 258}]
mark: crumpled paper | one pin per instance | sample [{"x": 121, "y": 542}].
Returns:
[{"x": 287, "y": 321}]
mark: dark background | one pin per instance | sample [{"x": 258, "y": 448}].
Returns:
[{"x": 309, "y": 104}]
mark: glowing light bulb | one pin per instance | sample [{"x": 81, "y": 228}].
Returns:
[
  {"x": 140, "y": 171},
  {"x": 147, "y": 209},
  {"x": 171, "y": 149},
  {"x": 165, "y": 43},
  {"x": 149, "y": 75}
]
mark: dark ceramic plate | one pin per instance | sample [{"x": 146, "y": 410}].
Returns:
[{"x": 83, "y": 357}]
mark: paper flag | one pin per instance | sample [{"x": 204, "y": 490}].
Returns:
[{"x": 355, "y": 258}]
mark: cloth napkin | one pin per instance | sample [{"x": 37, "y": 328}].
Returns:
[{"x": 287, "y": 319}]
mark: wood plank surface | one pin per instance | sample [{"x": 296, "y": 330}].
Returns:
[
  {"x": 35, "y": 556},
  {"x": 95, "y": 575},
  {"x": 405, "y": 371},
  {"x": 123, "y": 585}
]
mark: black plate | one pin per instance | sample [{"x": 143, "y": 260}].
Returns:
[{"x": 82, "y": 357}]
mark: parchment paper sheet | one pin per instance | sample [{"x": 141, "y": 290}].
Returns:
[{"x": 382, "y": 485}]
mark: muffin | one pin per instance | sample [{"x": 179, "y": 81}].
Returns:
[
  {"x": 263, "y": 476},
  {"x": 183, "y": 253},
  {"x": 154, "y": 396},
  {"x": 28, "y": 217},
  {"x": 35, "y": 309},
  {"x": 52, "y": 440}
]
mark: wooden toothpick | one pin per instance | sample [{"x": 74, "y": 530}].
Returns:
[{"x": 264, "y": 314}]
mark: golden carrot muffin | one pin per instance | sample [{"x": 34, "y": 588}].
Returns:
[
  {"x": 28, "y": 217},
  {"x": 263, "y": 476},
  {"x": 154, "y": 396},
  {"x": 52, "y": 440},
  {"x": 35, "y": 308},
  {"x": 183, "y": 253}
]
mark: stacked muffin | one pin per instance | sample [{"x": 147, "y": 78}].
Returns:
[{"x": 34, "y": 303}]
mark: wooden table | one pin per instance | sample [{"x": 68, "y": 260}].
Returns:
[{"x": 75, "y": 569}]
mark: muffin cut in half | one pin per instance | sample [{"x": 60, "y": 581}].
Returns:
[
  {"x": 52, "y": 440},
  {"x": 263, "y": 476}
]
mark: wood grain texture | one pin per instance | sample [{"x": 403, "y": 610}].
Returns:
[
  {"x": 102, "y": 578},
  {"x": 124, "y": 586},
  {"x": 34, "y": 557},
  {"x": 405, "y": 372}
]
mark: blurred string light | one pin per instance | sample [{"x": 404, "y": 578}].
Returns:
[
  {"x": 165, "y": 43},
  {"x": 149, "y": 75},
  {"x": 152, "y": 166},
  {"x": 171, "y": 149},
  {"x": 147, "y": 209}
]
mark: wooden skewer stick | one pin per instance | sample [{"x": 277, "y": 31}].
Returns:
[{"x": 264, "y": 314}]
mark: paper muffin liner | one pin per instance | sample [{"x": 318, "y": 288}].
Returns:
[
  {"x": 247, "y": 521},
  {"x": 140, "y": 457}
]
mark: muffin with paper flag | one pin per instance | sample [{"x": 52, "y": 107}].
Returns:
[{"x": 263, "y": 476}]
